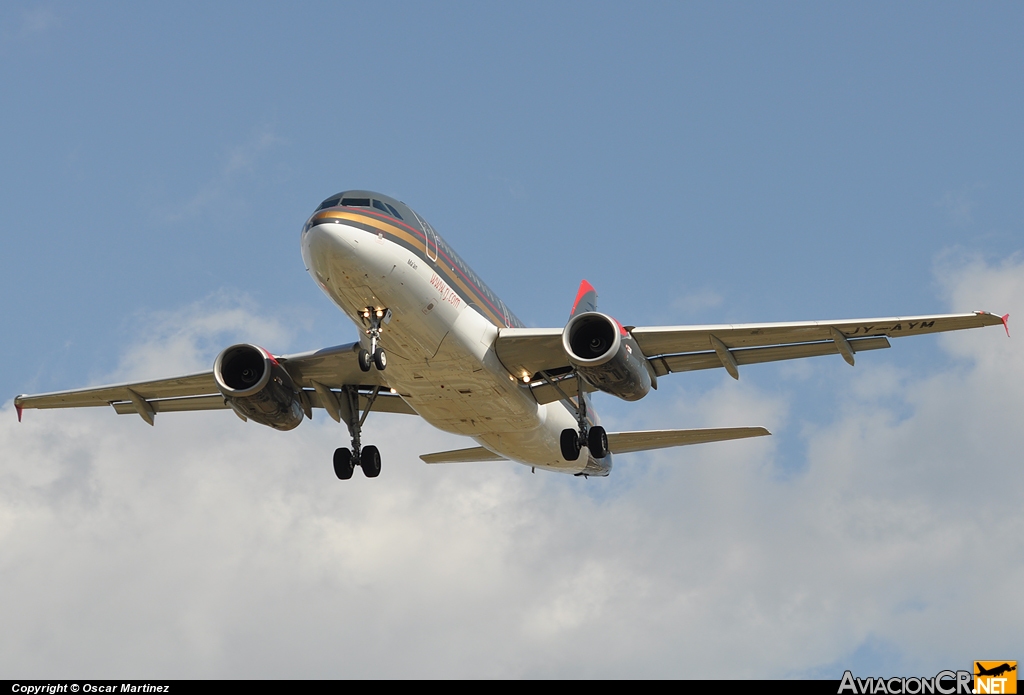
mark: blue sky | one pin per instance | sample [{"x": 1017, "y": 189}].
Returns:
[{"x": 698, "y": 163}]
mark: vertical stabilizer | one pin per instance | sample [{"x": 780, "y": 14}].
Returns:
[{"x": 586, "y": 299}]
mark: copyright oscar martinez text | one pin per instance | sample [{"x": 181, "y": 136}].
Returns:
[
  {"x": 90, "y": 687},
  {"x": 987, "y": 678}
]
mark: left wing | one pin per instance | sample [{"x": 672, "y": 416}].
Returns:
[
  {"x": 685, "y": 348},
  {"x": 539, "y": 351},
  {"x": 328, "y": 369}
]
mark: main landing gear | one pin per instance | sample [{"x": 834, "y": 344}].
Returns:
[
  {"x": 375, "y": 356},
  {"x": 366, "y": 457},
  {"x": 594, "y": 438}
]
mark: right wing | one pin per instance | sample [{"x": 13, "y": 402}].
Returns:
[{"x": 331, "y": 369}]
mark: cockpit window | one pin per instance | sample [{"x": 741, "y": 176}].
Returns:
[{"x": 386, "y": 208}]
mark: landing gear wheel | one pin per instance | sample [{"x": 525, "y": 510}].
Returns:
[
  {"x": 364, "y": 360},
  {"x": 369, "y": 459},
  {"x": 380, "y": 360},
  {"x": 343, "y": 466},
  {"x": 570, "y": 442},
  {"x": 597, "y": 442}
]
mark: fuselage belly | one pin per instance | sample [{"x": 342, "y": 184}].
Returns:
[{"x": 441, "y": 359}]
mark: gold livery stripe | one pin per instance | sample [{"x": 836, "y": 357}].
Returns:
[{"x": 416, "y": 242}]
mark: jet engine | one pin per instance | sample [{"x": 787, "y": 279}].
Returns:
[
  {"x": 605, "y": 355},
  {"x": 257, "y": 387}
]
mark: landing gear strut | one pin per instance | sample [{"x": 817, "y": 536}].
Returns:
[
  {"x": 594, "y": 438},
  {"x": 375, "y": 356},
  {"x": 368, "y": 457}
]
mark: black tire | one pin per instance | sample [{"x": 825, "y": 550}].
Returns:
[
  {"x": 380, "y": 360},
  {"x": 570, "y": 442},
  {"x": 369, "y": 460},
  {"x": 343, "y": 465},
  {"x": 364, "y": 360},
  {"x": 597, "y": 442}
]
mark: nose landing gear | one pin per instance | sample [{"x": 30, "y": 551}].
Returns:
[{"x": 375, "y": 356}]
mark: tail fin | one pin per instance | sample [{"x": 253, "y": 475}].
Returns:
[{"x": 586, "y": 299}]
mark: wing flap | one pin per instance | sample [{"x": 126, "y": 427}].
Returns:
[
  {"x": 473, "y": 454},
  {"x": 174, "y": 405},
  {"x": 626, "y": 442},
  {"x": 558, "y": 389},
  {"x": 709, "y": 360},
  {"x": 384, "y": 403}
]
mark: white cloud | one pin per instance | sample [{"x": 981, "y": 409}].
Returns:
[
  {"x": 186, "y": 340},
  {"x": 210, "y": 547}
]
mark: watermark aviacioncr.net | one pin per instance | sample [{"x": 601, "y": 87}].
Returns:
[{"x": 989, "y": 678}]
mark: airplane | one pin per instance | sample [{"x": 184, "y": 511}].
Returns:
[
  {"x": 996, "y": 670},
  {"x": 436, "y": 342}
]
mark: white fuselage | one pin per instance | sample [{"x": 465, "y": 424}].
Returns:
[{"x": 440, "y": 350}]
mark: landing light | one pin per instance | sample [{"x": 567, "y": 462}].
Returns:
[
  {"x": 526, "y": 378},
  {"x": 380, "y": 313}
]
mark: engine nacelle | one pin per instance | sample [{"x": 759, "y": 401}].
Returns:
[
  {"x": 605, "y": 355},
  {"x": 257, "y": 387}
]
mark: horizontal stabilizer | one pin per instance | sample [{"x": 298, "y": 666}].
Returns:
[
  {"x": 625, "y": 442},
  {"x": 476, "y": 453}
]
